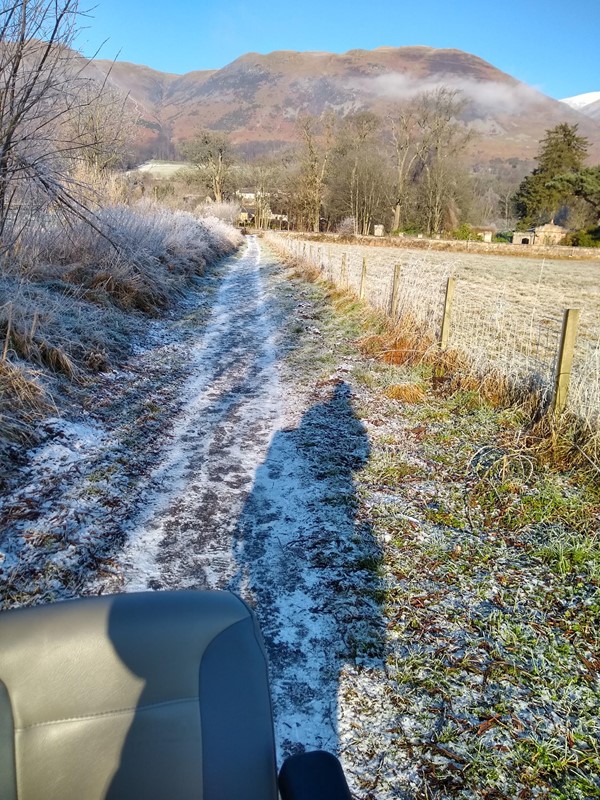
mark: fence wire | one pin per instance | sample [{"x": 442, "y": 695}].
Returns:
[{"x": 506, "y": 315}]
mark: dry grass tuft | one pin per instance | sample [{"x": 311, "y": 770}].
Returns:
[
  {"x": 371, "y": 346},
  {"x": 23, "y": 402},
  {"x": 403, "y": 343},
  {"x": 406, "y": 392},
  {"x": 566, "y": 442},
  {"x": 302, "y": 270},
  {"x": 20, "y": 385},
  {"x": 32, "y": 348}
]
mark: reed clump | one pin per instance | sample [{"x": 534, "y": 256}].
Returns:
[
  {"x": 566, "y": 441},
  {"x": 23, "y": 403},
  {"x": 406, "y": 392}
]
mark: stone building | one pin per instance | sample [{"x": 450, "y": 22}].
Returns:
[
  {"x": 487, "y": 234},
  {"x": 542, "y": 234}
]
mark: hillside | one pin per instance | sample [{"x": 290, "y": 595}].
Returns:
[{"x": 257, "y": 98}]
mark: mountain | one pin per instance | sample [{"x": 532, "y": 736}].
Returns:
[
  {"x": 257, "y": 98},
  {"x": 588, "y": 104}
]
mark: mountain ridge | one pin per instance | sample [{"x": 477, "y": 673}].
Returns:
[{"x": 257, "y": 98}]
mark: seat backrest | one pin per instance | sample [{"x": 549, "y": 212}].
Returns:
[{"x": 149, "y": 696}]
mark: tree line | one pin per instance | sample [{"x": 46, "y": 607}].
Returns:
[
  {"x": 405, "y": 171},
  {"x": 408, "y": 171}
]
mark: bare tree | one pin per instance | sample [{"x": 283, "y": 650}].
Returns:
[
  {"x": 101, "y": 126},
  {"x": 212, "y": 157},
  {"x": 427, "y": 137},
  {"x": 408, "y": 145},
  {"x": 316, "y": 136},
  {"x": 486, "y": 203},
  {"x": 358, "y": 186},
  {"x": 264, "y": 178},
  {"x": 40, "y": 77}
]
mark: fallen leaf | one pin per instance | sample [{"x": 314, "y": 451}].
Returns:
[{"x": 486, "y": 725}]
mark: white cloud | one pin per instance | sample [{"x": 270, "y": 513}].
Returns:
[{"x": 487, "y": 94}]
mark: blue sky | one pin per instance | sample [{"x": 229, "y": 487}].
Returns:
[{"x": 551, "y": 45}]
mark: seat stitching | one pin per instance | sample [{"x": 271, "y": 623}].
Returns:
[{"x": 113, "y": 713}]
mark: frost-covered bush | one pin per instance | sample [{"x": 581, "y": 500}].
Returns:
[
  {"x": 135, "y": 257},
  {"x": 347, "y": 226},
  {"x": 65, "y": 295},
  {"x": 226, "y": 211}
]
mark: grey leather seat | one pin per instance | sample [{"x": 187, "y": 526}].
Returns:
[{"x": 151, "y": 696}]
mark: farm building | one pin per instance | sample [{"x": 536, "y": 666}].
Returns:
[
  {"x": 542, "y": 234},
  {"x": 486, "y": 233}
]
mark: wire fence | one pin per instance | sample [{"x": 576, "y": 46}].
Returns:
[{"x": 507, "y": 314}]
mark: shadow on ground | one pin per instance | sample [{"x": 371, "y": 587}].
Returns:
[{"x": 310, "y": 567}]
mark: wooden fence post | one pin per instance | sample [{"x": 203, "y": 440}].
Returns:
[
  {"x": 393, "y": 309},
  {"x": 445, "y": 332},
  {"x": 363, "y": 279},
  {"x": 344, "y": 272},
  {"x": 565, "y": 359}
]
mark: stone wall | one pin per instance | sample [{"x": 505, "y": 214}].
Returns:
[{"x": 453, "y": 245}]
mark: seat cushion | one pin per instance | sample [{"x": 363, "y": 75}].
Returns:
[{"x": 153, "y": 695}]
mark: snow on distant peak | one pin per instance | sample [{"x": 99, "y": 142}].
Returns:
[{"x": 580, "y": 101}]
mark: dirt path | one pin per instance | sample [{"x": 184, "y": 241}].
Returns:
[
  {"x": 231, "y": 498},
  {"x": 232, "y": 408},
  {"x": 206, "y": 465}
]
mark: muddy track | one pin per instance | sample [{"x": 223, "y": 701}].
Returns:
[{"x": 256, "y": 496}]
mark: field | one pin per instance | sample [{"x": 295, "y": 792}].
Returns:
[
  {"x": 162, "y": 170},
  {"x": 507, "y": 312}
]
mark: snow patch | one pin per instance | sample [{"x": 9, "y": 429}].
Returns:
[{"x": 580, "y": 101}]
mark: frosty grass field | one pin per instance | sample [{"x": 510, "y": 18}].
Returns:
[{"x": 507, "y": 311}]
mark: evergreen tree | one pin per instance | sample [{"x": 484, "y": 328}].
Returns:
[
  {"x": 562, "y": 150},
  {"x": 584, "y": 183},
  {"x": 540, "y": 195}
]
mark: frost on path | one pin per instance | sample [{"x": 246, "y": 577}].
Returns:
[
  {"x": 232, "y": 408},
  {"x": 251, "y": 498},
  {"x": 205, "y": 465}
]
